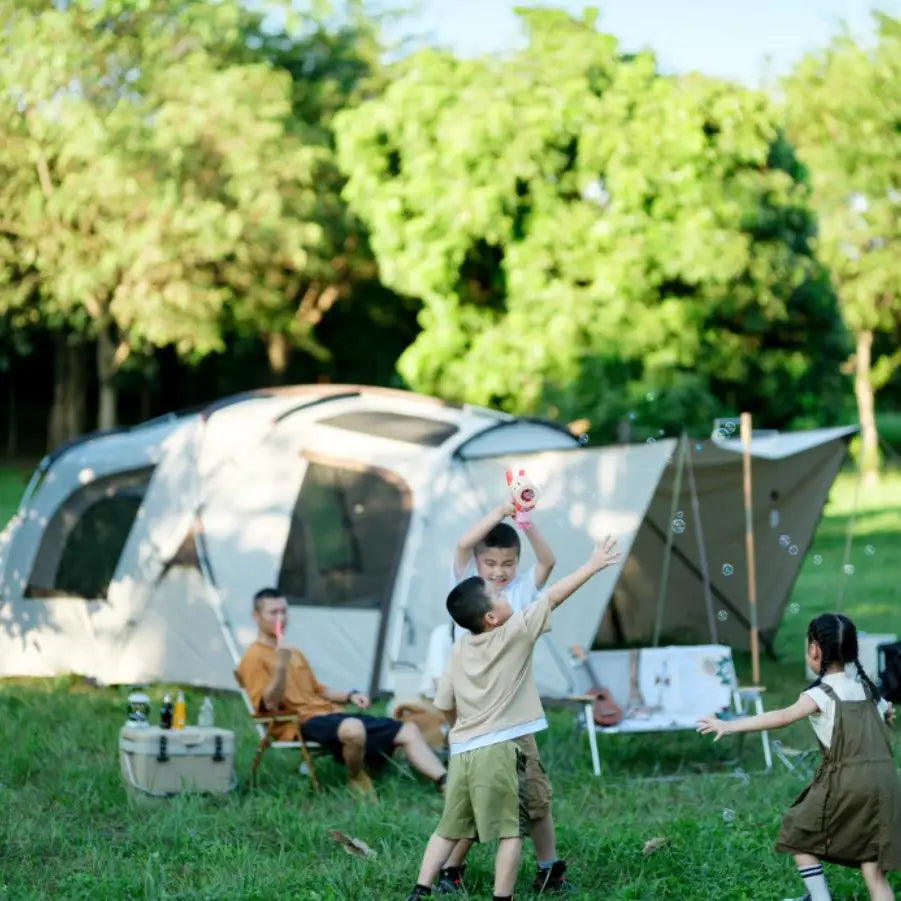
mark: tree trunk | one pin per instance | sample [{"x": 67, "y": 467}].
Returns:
[
  {"x": 866, "y": 408},
  {"x": 75, "y": 388},
  {"x": 12, "y": 432},
  {"x": 106, "y": 372},
  {"x": 279, "y": 353},
  {"x": 56, "y": 428},
  {"x": 146, "y": 403}
]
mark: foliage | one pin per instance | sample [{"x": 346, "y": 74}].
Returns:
[
  {"x": 167, "y": 174},
  {"x": 584, "y": 231},
  {"x": 843, "y": 106}
]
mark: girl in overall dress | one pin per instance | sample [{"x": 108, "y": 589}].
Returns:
[{"x": 851, "y": 813}]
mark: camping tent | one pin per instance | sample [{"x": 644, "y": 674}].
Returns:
[{"x": 134, "y": 554}]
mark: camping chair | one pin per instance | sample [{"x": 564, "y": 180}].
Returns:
[
  {"x": 621, "y": 672},
  {"x": 267, "y": 726}
]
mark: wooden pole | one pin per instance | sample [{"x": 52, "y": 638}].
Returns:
[
  {"x": 681, "y": 451},
  {"x": 849, "y": 540},
  {"x": 702, "y": 550},
  {"x": 749, "y": 547}
]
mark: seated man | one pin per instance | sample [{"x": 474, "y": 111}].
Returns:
[{"x": 279, "y": 678}]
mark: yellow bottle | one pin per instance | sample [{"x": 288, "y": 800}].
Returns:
[{"x": 179, "y": 715}]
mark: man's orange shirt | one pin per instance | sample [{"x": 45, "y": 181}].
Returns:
[{"x": 303, "y": 694}]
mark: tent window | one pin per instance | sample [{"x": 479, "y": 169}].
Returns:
[
  {"x": 346, "y": 534},
  {"x": 396, "y": 426},
  {"x": 84, "y": 539}
]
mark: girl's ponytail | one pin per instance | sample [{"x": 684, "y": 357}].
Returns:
[{"x": 869, "y": 687}]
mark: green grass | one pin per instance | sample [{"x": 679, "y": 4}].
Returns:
[
  {"x": 67, "y": 830},
  {"x": 13, "y": 480}
]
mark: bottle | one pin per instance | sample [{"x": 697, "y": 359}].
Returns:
[
  {"x": 179, "y": 715},
  {"x": 138, "y": 708},
  {"x": 205, "y": 717},
  {"x": 166, "y": 712}
]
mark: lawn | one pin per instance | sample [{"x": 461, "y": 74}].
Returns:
[{"x": 68, "y": 832}]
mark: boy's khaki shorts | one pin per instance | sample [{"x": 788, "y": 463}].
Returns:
[
  {"x": 484, "y": 798},
  {"x": 536, "y": 787}
]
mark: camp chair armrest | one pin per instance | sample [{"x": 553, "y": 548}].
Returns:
[{"x": 275, "y": 717}]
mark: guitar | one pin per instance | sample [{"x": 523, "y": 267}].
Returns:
[{"x": 605, "y": 710}]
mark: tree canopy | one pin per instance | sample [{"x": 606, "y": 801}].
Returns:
[{"x": 586, "y": 233}]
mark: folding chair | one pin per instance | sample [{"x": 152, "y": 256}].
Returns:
[{"x": 267, "y": 725}]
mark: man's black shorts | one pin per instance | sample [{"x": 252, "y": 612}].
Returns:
[{"x": 381, "y": 734}]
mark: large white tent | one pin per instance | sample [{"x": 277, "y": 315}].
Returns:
[{"x": 135, "y": 554}]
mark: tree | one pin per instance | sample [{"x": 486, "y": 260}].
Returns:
[
  {"x": 592, "y": 239},
  {"x": 844, "y": 109},
  {"x": 152, "y": 170}
]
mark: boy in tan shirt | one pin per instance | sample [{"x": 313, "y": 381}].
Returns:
[{"x": 489, "y": 692}]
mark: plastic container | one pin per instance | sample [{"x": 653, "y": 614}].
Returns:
[{"x": 205, "y": 718}]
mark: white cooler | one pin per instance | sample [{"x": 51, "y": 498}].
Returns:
[{"x": 165, "y": 762}]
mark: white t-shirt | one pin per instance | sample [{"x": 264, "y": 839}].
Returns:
[
  {"x": 847, "y": 688},
  {"x": 521, "y": 592},
  {"x": 441, "y": 643}
]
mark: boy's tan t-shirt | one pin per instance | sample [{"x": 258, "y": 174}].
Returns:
[{"x": 488, "y": 681}]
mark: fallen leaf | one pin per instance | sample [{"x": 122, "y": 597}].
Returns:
[
  {"x": 653, "y": 844},
  {"x": 353, "y": 846}
]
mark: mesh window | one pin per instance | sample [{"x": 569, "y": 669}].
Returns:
[
  {"x": 83, "y": 541},
  {"x": 346, "y": 534}
]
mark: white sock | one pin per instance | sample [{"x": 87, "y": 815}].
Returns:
[{"x": 815, "y": 882}]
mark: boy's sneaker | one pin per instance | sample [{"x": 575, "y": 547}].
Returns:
[
  {"x": 417, "y": 894},
  {"x": 553, "y": 880},
  {"x": 450, "y": 881}
]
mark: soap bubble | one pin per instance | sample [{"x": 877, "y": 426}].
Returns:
[
  {"x": 631, "y": 414},
  {"x": 793, "y": 550},
  {"x": 869, "y": 550},
  {"x": 817, "y": 559},
  {"x": 728, "y": 815},
  {"x": 794, "y": 608},
  {"x": 849, "y": 569},
  {"x": 784, "y": 540},
  {"x": 661, "y": 433},
  {"x": 650, "y": 397},
  {"x": 699, "y": 447},
  {"x": 722, "y": 615},
  {"x": 583, "y": 438},
  {"x": 728, "y": 569},
  {"x": 358, "y": 509},
  {"x": 678, "y": 526}
]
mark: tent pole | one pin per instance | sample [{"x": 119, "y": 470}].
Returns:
[
  {"x": 702, "y": 550},
  {"x": 749, "y": 546},
  {"x": 849, "y": 540},
  {"x": 213, "y": 591},
  {"x": 664, "y": 576}
]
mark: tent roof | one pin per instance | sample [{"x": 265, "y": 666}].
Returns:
[{"x": 779, "y": 445}]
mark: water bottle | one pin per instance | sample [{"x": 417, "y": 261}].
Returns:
[
  {"x": 205, "y": 717},
  {"x": 179, "y": 715},
  {"x": 166, "y": 712}
]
